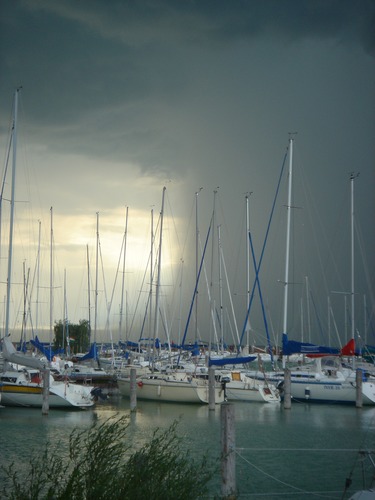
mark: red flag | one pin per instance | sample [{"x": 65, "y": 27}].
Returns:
[{"x": 349, "y": 348}]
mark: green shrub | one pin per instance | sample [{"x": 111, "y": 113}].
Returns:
[{"x": 101, "y": 463}]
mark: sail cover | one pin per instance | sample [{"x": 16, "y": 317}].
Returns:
[
  {"x": 311, "y": 350},
  {"x": 19, "y": 358},
  {"x": 231, "y": 361}
]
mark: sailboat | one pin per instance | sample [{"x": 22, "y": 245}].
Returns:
[
  {"x": 176, "y": 385},
  {"x": 326, "y": 380},
  {"x": 21, "y": 382},
  {"x": 239, "y": 386}
]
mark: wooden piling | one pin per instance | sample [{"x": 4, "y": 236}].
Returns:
[
  {"x": 45, "y": 405},
  {"x": 133, "y": 389},
  {"x": 287, "y": 389},
  {"x": 211, "y": 388},
  {"x": 358, "y": 386},
  {"x": 228, "y": 457}
]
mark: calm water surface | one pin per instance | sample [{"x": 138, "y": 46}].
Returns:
[{"x": 306, "y": 452}]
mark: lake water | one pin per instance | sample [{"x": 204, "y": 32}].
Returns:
[{"x": 303, "y": 453}]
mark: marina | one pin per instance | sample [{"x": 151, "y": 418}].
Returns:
[
  {"x": 306, "y": 452},
  {"x": 187, "y": 242}
]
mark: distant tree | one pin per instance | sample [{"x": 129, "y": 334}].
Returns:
[
  {"x": 103, "y": 462},
  {"x": 78, "y": 335}
]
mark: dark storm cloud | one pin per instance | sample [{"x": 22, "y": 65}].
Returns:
[
  {"x": 57, "y": 42},
  {"x": 108, "y": 76},
  {"x": 203, "y": 93},
  {"x": 143, "y": 22}
]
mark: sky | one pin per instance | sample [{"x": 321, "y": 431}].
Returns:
[{"x": 120, "y": 99}]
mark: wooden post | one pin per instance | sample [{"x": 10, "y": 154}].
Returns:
[
  {"x": 211, "y": 388},
  {"x": 45, "y": 405},
  {"x": 228, "y": 457},
  {"x": 287, "y": 389},
  {"x": 358, "y": 385},
  {"x": 133, "y": 389}
]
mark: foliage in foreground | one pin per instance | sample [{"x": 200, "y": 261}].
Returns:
[{"x": 99, "y": 464}]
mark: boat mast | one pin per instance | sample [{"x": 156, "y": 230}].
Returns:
[
  {"x": 96, "y": 276},
  {"x": 352, "y": 177},
  {"x": 220, "y": 290},
  {"x": 151, "y": 273},
  {"x": 156, "y": 318},
  {"x": 88, "y": 290},
  {"x": 123, "y": 276},
  {"x": 10, "y": 251},
  {"x": 246, "y": 349},
  {"x": 37, "y": 278},
  {"x": 51, "y": 283},
  {"x": 196, "y": 262},
  {"x": 288, "y": 207}
]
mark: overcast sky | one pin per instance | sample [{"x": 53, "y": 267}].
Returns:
[{"x": 122, "y": 98}]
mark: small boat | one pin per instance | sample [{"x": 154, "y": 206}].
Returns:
[
  {"x": 324, "y": 381},
  {"x": 21, "y": 384},
  {"x": 240, "y": 387},
  {"x": 82, "y": 373},
  {"x": 24, "y": 387},
  {"x": 176, "y": 387}
]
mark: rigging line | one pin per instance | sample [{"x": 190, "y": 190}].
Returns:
[
  {"x": 331, "y": 450},
  {"x": 261, "y": 299},
  {"x": 141, "y": 289},
  {"x": 173, "y": 220},
  {"x": 116, "y": 275},
  {"x": 366, "y": 267},
  {"x": 279, "y": 494},
  {"x": 317, "y": 317},
  {"x": 230, "y": 295},
  {"x": 264, "y": 244},
  {"x": 210, "y": 300},
  {"x": 269, "y": 475},
  {"x": 195, "y": 288}
]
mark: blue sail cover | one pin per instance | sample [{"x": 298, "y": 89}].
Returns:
[
  {"x": 294, "y": 347},
  {"x": 231, "y": 361},
  {"x": 92, "y": 354},
  {"x": 46, "y": 350}
]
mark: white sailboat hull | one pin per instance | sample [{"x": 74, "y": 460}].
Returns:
[
  {"x": 17, "y": 390},
  {"x": 171, "y": 389},
  {"x": 258, "y": 394},
  {"x": 240, "y": 387},
  {"x": 325, "y": 382},
  {"x": 328, "y": 391}
]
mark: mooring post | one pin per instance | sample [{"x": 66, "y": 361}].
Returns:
[
  {"x": 358, "y": 388},
  {"x": 211, "y": 388},
  {"x": 287, "y": 389},
  {"x": 45, "y": 377},
  {"x": 133, "y": 389},
  {"x": 228, "y": 457}
]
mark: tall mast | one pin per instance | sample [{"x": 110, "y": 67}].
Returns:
[
  {"x": 156, "y": 318},
  {"x": 220, "y": 290},
  {"x": 151, "y": 271},
  {"x": 88, "y": 290},
  {"x": 123, "y": 275},
  {"x": 96, "y": 277},
  {"x": 196, "y": 262},
  {"x": 10, "y": 251},
  {"x": 247, "y": 267},
  {"x": 212, "y": 305},
  {"x": 289, "y": 206},
  {"x": 37, "y": 279},
  {"x": 352, "y": 177},
  {"x": 51, "y": 282}
]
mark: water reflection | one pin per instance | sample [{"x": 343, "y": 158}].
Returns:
[{"x": 311, "y": 447}]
